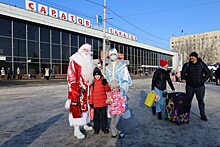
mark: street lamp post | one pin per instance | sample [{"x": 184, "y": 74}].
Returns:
[{"x": 104, "y": 37}]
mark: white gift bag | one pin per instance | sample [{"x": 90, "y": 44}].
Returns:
[{"x": 67, "y": 105}]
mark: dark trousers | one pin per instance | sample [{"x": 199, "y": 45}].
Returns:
[
  {"x": 200, "y": 93},
  {"x": 100, "y": 118},
  {"x": 217, "y": 81}
]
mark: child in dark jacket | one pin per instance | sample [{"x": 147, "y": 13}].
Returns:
[
  {"x": 160, "y": 78},
  {"x": 97, "y": 101}
]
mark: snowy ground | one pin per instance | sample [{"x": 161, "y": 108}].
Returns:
[{"x": 34, "y": 115}]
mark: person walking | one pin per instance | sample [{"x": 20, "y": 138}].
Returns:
[
  {"x": 2, "y": 73},
  {"x": 195, "y": 73},
  {"x": 9, "y": 73},
  {"x": 18, "y": 73},
  {"x": 97, "y": 101},
  {"x": 160, "y": 78},
  {"x": 217, "y": 75},
  {"x": 47, "y": 73}
]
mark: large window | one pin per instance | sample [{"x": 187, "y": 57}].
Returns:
[
  {"x": 5, "y": 29},
  {"x": 55, "y": 51},
  {"x": 33, "y": 49},
  {"x": 65, "y": 52},
  {"x": 45, "y": 50},
  {"x": 44, "y": 34},
  {"x": 19, "y": 48},
  {"x": 81, "y": 40},
  {"x": 19, "y": 30},
  {"x": 56, "y": 36},
  {"x": 74, "y": 40},
  {"x": 5, "y": 46},
  {"x": 65, "y": 38},
  {"x": 33, "y": 32}
]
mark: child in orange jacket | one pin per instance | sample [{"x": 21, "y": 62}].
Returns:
[{"x": 97, "y": 101}]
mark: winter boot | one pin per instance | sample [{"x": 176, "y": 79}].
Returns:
[
  {"x": 87, "y": 128},
  {"x": 77, "y": 133},
  {"x": 153, "y": 110},
  {"x": 160, "y": 115}
]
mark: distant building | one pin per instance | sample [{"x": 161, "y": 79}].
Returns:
[{"x": 207, "y": 44}]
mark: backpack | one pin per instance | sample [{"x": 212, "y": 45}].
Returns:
[{"x": 200, "y": 63}]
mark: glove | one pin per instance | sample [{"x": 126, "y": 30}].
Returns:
[
  {"x": 122, "y": 91},
  {"x": 104, "y": 82},
  {"x": 91, "y": 105}
]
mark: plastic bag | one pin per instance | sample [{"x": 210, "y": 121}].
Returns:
[
  {"x": 127, "y": 114},
  {"x": 67, "y": 105}
]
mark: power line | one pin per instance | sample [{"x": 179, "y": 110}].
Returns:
[
  {"x": 170, "y": 9},
  {"x": 95, "y": 3},
  {"x": 132, "y": 25},
  {"x": 111, "y": 24},
  {"x": 136, "y": 26}
]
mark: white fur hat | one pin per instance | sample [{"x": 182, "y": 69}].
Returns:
[
  {"x": 113, "y": 51},
  {"x": 85, "y": 46}
]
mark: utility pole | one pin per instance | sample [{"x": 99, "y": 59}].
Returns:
[{"x": 104, "y": 37}]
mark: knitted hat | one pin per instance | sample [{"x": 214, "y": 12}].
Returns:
[
  {"x": 163, "y": 63},
  {"x": 114, "y": 84},
  {"x": 97, "y": 71},
  {"x": 194, "y": 54},
  {"x": 113, "y": 51}
]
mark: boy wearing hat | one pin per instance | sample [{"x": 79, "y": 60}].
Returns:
[
  {"x": 160, "y": 78},
  {"x": 98, "y": 101},
  {"x": 195, "y": 73}
]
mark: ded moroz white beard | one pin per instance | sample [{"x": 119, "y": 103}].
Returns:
[{"x": 87, "y": 68}]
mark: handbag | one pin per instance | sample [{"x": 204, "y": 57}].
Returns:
[{"x": 150, "y": 99}]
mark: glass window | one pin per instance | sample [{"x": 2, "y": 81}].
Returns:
[
  {"x": 56, "y": 36},
  {"x": 65, "y": 67},
  {"x": 89, "y": 40},
  {"x": 5, "y": 29},
  {"x": 95, "y": 44},
  {"x": 33, "y": 32},
  {"x": 44, "y": 34},
  {"x": 33, "y": 49},
  {"x": 55, "y": 51},
  {"x": 5, "y": 46},
  {"x": 19, "y": 30},
  {"x": 95, "y": 54},
  {"x": 45, "y": 50},
  {"x": 33, "y": 68},
  {"x": 74, "y": 40},
  {"x": 117, "y": 47},
  {"x": 22, "y": 67},
  {"x": 121, "y": 49},
  {"x": 19, "y": 48},
  {"x": 56, "y": 69},
  {"x": 65, "y": 52},
  {"x": 65, "y": 38},
  {"x": 81, "y": 40},
  {"x": 112, "y": 45},
  {"x": 73, "y": 50}
]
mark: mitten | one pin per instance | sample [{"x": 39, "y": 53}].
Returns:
[
  {"x": 122, "y": 91},
  {"x": 104, "y": 82}
]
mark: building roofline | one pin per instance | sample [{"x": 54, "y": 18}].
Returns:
[{"x": 23, "y": 14}]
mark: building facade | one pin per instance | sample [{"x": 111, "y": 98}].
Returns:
[
  {"x": 207, "y": 44},
  {"x": 33, "y": 42}
]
